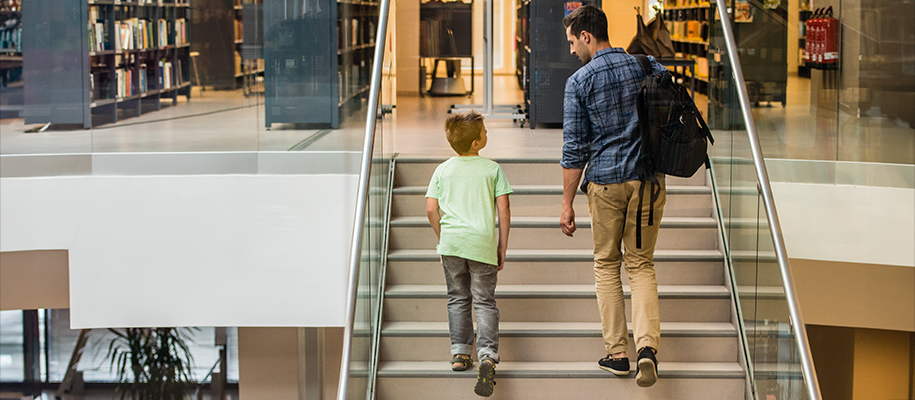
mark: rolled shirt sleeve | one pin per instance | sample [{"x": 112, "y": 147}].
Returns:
[{"x": 576, "y": 128}]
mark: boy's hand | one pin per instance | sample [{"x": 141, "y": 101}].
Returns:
[{"x": 501, "y": 256}]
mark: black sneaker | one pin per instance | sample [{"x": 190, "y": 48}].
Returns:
[
  {"x": 486, "y": 378},
  {"x": 647, "y": 368},
  {"x": 618, "y": 366}
]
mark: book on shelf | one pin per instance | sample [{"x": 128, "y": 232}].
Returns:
[
  {"x": 180, "y": 31},
  {"x": 162, "y": 30},
  {"x": 354, "y": 37},
  {"x": 238, "y": 60},
  {"x": 239, "y": 32}
]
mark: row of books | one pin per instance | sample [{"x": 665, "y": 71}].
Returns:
[
  {"x": 353, "y": 78},
  {"x": 129, "y": 82},
  {"x": 353, "y": 32},
  {"x": 134, "y": 34},
  {"x": 11, "y": 38}
]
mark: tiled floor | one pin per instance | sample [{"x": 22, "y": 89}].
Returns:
[{"x": 229, "y": 121}]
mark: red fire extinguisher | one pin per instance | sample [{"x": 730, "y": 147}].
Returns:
[
  {"x": 817, "y": 25},
  {"x": 809, "y": 39},
  {"x": 830, "y": 40}
]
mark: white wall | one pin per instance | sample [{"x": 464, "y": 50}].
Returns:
[
  {"x": 847, "y": 223},
  {"x": 192, "y": 250}
]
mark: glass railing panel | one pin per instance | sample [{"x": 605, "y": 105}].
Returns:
[
  {"x": 359, "y": 368},
  {"x": 773, "y": 357}
]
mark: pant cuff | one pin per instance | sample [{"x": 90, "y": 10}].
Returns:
[
  {"x": 647, "y": 343},
  {"x": 487, "y": 353},
  {"x": 618, "y": 348},
  {"x": 461, "y": 349}
]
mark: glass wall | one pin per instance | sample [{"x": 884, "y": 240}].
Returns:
[
  {"x": 773, "y": 356},
  {"x": 857, "y": 104},
  {"x": 57, "y": 342},
  {"x": 88, "y": 76}
]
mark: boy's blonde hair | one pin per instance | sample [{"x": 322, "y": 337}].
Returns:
[{"x": 462, "y": 129}]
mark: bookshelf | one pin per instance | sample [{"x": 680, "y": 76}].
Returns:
[
  {"x": 10, "y": 50},
  {"x": 10, "y": 27},
  {"x": 688, "y": 23},
  {"x": 103, "y": 60},
  {"x": 318, "y": 60},
  {"x": 543, "y": 60},
  {"x": 219, "y": 27}
]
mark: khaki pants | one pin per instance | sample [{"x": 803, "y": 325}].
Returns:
[{"x": 614, "y": 209}]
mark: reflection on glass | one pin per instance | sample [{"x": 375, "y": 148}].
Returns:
[
  {"x": 11, "y": 351},
  {"x": 774, "y": 361}
]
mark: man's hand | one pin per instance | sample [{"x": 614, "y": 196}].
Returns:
[
  {"x": 570, "y": 180},
  {"x": 567, "y": 221},
  {"x": 501, "y": 256}
]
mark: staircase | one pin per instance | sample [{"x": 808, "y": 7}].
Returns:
[{"x": 550, "y": 337}]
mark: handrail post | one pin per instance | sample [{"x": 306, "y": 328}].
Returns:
[
  {"x": 365, "y": 174},
  {"x": 797, "y": 321}
]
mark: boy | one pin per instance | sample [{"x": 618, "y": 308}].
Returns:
[{"x": 461, "y": 204}]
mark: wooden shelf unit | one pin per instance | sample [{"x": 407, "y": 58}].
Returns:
[{"x": 103, "y": 60}]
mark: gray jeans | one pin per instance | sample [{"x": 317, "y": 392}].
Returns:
[{"x": 472, "y": 283}]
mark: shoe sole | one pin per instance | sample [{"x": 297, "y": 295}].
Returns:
[
  {"x": 614, "y": 371},
  {"x": 485, "y": 380},
  {"x": 648, "y": 373}
]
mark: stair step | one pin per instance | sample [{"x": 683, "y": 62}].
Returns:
[
  {"x": 548, "y": 222},
  {"x": 564, "y": 387},
  {"x": 411, "y": 172},
  {"x": 546, "y": 370},
  {"x": 560, "y": 341},
  {"x": 552, "y": 189},
  {"x": 564, "y": 329},
  {"x": 561, "y": 255},
  {"x": 529, "y": 305},
  {"x": 558, "y": 291},
  {"x": 564, "y": 273}
]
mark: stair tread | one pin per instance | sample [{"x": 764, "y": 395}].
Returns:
[
  {"x": 508, "y": 369},
  {"x": 572, "y": 329},
  {"x": 581, "y": 222},
  {"x": 565, "y": 254},
  {"x": 557, "y": 189},
  {"x": 584, "y": 291}
]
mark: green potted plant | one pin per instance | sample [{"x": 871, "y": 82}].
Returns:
[{"x": 151, "y": 363}]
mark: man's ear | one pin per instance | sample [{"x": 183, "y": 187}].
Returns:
[{"x": 585, "y": 37}]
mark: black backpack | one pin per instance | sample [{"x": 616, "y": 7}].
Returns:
[{"x": 674, "y": 137}]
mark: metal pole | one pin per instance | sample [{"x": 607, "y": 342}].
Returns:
[
  {"x": 356, "y": 248},
  {"x": 797, "y": 320},
  {"x": 487, "y": 57}
]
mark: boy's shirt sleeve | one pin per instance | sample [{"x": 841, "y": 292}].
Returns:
[
  {"x": 502, "y": 187},
  {"x": 434, "y": 191}
]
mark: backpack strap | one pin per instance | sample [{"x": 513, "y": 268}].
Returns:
[
  {"x": 642, "y": 167},
  {"x": 645, "y": 63}
]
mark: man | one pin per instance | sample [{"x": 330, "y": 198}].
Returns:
[{"x": 600, "y": 132}]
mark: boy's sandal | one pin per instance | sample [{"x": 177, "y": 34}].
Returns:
[
  {"x": 465, "y": 361},
  {"x": 486, "y": 379}
]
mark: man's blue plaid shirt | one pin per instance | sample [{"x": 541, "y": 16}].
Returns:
[{"x": 600, "y": 126}]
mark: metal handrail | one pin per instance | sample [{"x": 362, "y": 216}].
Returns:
[
  {"x": 363, "y": 192},
  {"x": 797, "y": 320}
]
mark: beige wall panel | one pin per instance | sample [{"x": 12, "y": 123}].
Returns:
[
  {"x": 407, "y": 32},
  {"x": 856, "y": 295},
  {"x": 621, "y": 21},
  {"x": 31, "y": 280},
  {"x": 833, "y": 350},
  {"x": 333, "y": 347},
  {"x": 268, "y": 366},
  {"x": 882, "y": 364}
]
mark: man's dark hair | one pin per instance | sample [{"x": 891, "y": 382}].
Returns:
[{"x": 589, "y": 19}]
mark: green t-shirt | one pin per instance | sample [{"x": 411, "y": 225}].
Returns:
[{"x": 466, "y": 189}]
